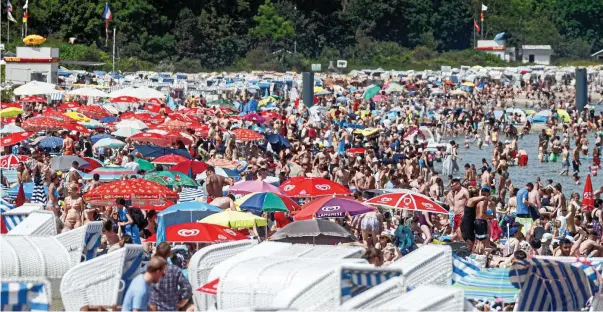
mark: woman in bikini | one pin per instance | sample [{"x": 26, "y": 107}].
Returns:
[{"x": 74, "y": 205}]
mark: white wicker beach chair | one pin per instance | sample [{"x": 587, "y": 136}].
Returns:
[
  {"x": 427, "y": 298},
  {"x": 297, "y": 283},
  {"x": 204, "y": 260},
  {"x": 377, "y": 295},
  {"x": 38, "y": 223},
  {"x": 25, "y": 294},
  {"x": 82, "y": 243},
  {"x": 431, "y": 264},
  {"x": 16, "y": 215},
  {"x": 34, "y": 257},
  {"x": 101, "y": 281}
]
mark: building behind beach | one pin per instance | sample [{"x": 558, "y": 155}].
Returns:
[
  {"x": 33, "y": 63},
  {"x": 536, "y": 54},
  {"x": 498, "y": 48}
]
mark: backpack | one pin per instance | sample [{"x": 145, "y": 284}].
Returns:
[{"x": 138, "y": 218}]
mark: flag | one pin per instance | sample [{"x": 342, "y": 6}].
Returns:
[
  {"x": 482, "y": 16},
  {"x": 10, "y": 17},
  {"x": 9, "y": 6},
  {"x": 107, "y": 16},
  {"x": 26, "y": 5},
  {"x": 25, "y": 16},
  {"x": 476, "y": 25},
  {"x": 484, "y": 8},
  {"x": 588, "y": 201}
]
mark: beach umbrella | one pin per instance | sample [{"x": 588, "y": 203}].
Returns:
[
  {"x": 235, "y": 220},
  {"x": 407, "y": 200},
  {"x": 11, "y": 128},
  {"x": 227, "y": 173},
  {"x": 331, "y": 207},
  {"x": 77, "y": 116},
  {"x": 356, "y": 150},
  {"x": 221, "y": 103},
  {"x": 126, "y": 132},
  {"x": 36, "y": 88},
  {"x": 108, "y": 143},
  {"x": 4, "y": 105},
  {"x": 131, "y": 123},
  {"x": 246, "y": 187},
  {"x": 93, "y": 111},
  {"x": 15, "y": 138},
  {"x": 111, "y": 173},
  {"x": 271, "y": 115},
  {"x": 170, "y": 159},
  {"x": 76, "y": 127},
  {"x": 394, "y": 87},
  {"x": 259, "y": 202},
  {"x": 150, "y": 137},
  {"x": 92, "y": 124},
  {"x": 588, "y": 200},
  {"x": 145, "y": 165},
  {"x": 10, "y": 112},
  {"x": 33, "y": 99},
  {"x": 170, "y": 178},
  {"x": 86, "y": 91},
  {"x": 64, "y": 163},
  {"x": 253, "y": 117},
  {"x": 190, "y": 167},
  {"x": 95, "y": 138},
  {"x": 92, "y": 164},
  {"x": 196, "y": 232},
  {"x": 157, "y": 206},
  {"x": 12, "y": 161},
  {"x": 50, "y": 142},
  {"x": 191, "y": 211},
  {"x": 139, "y": 191},
  {"x": 247, "y": 135},
  {"x": 69, "y": 105},
  {"x": 312, "y": 187},
  {"x": 371, "y": 91},
  {"x": 190, "y": 194},
  {"x": 124, "y": 99},
  {"x": 38, "y": 124},
  {"x": 315, "y": 231}
]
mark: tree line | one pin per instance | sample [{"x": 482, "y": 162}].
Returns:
[{"x": 290, "y": 34}]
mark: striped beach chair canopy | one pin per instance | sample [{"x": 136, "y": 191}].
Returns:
[
  {"x": 190, "y": 194},
  {"x": 548, "y": 285},
  {"x": 14, "y": 216},
  {"x": 25, "y": 295},
  {"x": 478, "y": 284}
]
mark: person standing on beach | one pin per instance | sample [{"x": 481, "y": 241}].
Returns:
[{"x": 576, "y": 158}]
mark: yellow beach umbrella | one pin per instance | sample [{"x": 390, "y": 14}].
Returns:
[
  {"x": 10, "y": 112},
  {"x": 563, "y": 115},
  {"x": 235, "y": 219},
  {"x": 77, "y": 116},
  {"x": 34, "y": 40},
  {"x": 366, "y": 132},
  {"x": 468, "y": 84},
  {"x": 318, "y": 89}
]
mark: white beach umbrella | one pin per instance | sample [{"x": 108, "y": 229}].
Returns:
[
  {"x": 145, "y": 93},
  {"x": 131, "y": 123},
  {"x": 90, "y": 92},
  {"x": 108, "y": 142},
  {"x": 126, "y": 132},
  {"x": 11, "y": 128},
  {"x": 36, "y": 88}
]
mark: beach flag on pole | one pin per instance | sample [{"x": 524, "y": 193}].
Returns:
[
  {"x": 9, "y": 9},
  {"x": 588, "y": 201},
  {"x": 107, "y": 16},
  {"x": 25, "y": 15},
  {"x": 476, "y": 25},
  {"x": 484, "y": 8}
]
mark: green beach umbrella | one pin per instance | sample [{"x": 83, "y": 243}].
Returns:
[
  {"x": 145, "y": 165},
  {"x": 170, "y": 178},
  {"x": 371, "y": 91}
]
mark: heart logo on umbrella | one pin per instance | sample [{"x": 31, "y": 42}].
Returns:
[
  {"x": 322, "y": 187},
  {"x": 385, "y": 200},
  {"x": 289, "y": 187},
  {"x": 222, "y": 237},
  {"x": 230, "y": 232},
  {"x": 188, "y": 232},
  {"x": 331, "y": 208}
]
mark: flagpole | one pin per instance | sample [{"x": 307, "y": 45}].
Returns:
[
  {"x": 27, "y": 20},
  {"x": 474, "y": 36},
  {"x": 114, "y": 49}
]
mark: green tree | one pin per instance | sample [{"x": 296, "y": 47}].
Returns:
[{"x": 271, "y": 27}]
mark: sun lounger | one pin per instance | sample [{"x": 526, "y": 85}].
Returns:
[{"x": 101, "y": 281}]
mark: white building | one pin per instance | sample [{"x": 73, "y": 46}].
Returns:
[
  {"x": 33, "y": 63},
  {"x": 537, "y": 54},
  {"x": 498, "y": 48}
]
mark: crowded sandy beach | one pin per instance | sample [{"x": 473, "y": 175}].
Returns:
[{"x": 463, "y": 189}]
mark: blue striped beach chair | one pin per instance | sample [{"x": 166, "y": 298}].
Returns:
[
  {"x": 25, "y": 294},
  {"x": 548, "y": 285}
]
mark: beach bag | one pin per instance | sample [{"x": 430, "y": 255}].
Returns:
[
  {"x": 404, "y": 239},
  {"x": 495, "y": 231},
  {"x": 138, "y": 218}
]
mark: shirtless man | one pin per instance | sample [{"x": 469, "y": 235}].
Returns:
[
  {"x": 341, "y": 174},
  {"x": 576, "y": 158},
  {"x": 457, "y": 198},
  {"x": 482, "y": 220},
  {"x": 214, "y": 184},
  {"x": 590, "y": 247},
  {"x": 225, "y": 203},
  {"x": 572, "y": 209},
  {"x": 470, "y": 175}
]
